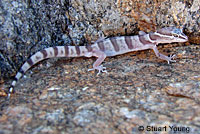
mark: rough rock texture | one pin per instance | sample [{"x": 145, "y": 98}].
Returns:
[
  {"x": 27, "y": 27},
  {"x": 60, "y": 96}
]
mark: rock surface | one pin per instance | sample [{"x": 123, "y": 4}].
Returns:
[{"x": 139, "y": 91}]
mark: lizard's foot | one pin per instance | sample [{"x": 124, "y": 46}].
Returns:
[
  {"x": 100, "y": 69},
  {"x": 169, "y": 59}
]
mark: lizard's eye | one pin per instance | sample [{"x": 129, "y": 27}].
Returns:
[{"x": 175, "y": 35}]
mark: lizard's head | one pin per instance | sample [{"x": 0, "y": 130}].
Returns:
[{"x": 169, "y": 35}]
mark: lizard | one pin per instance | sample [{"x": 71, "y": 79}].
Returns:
[{"x": 107, "y": 47}]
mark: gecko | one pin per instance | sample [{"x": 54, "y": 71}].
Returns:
[{"x": 106, "y": 48}]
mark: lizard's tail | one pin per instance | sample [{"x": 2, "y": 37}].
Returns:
[{"x": 57, "y": 51}]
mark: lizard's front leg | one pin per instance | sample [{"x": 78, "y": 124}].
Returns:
[
  {"x": 162, "y": 56},
  {"x": 100, "y": 58}
]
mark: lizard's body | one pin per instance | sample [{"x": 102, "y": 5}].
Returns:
[{"x": 107, "y": 47}]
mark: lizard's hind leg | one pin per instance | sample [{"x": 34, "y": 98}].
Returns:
[{"x": 100, "y": 58}]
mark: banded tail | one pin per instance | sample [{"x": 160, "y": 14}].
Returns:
[{"x": 57, "y": 51}]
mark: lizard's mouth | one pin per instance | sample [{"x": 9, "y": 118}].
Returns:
[{"x": 183, "y": 36}]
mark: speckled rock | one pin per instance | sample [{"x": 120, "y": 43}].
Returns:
[
  {"x": 140, "y": 93},
  {"x": 27, "y": 27}
]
